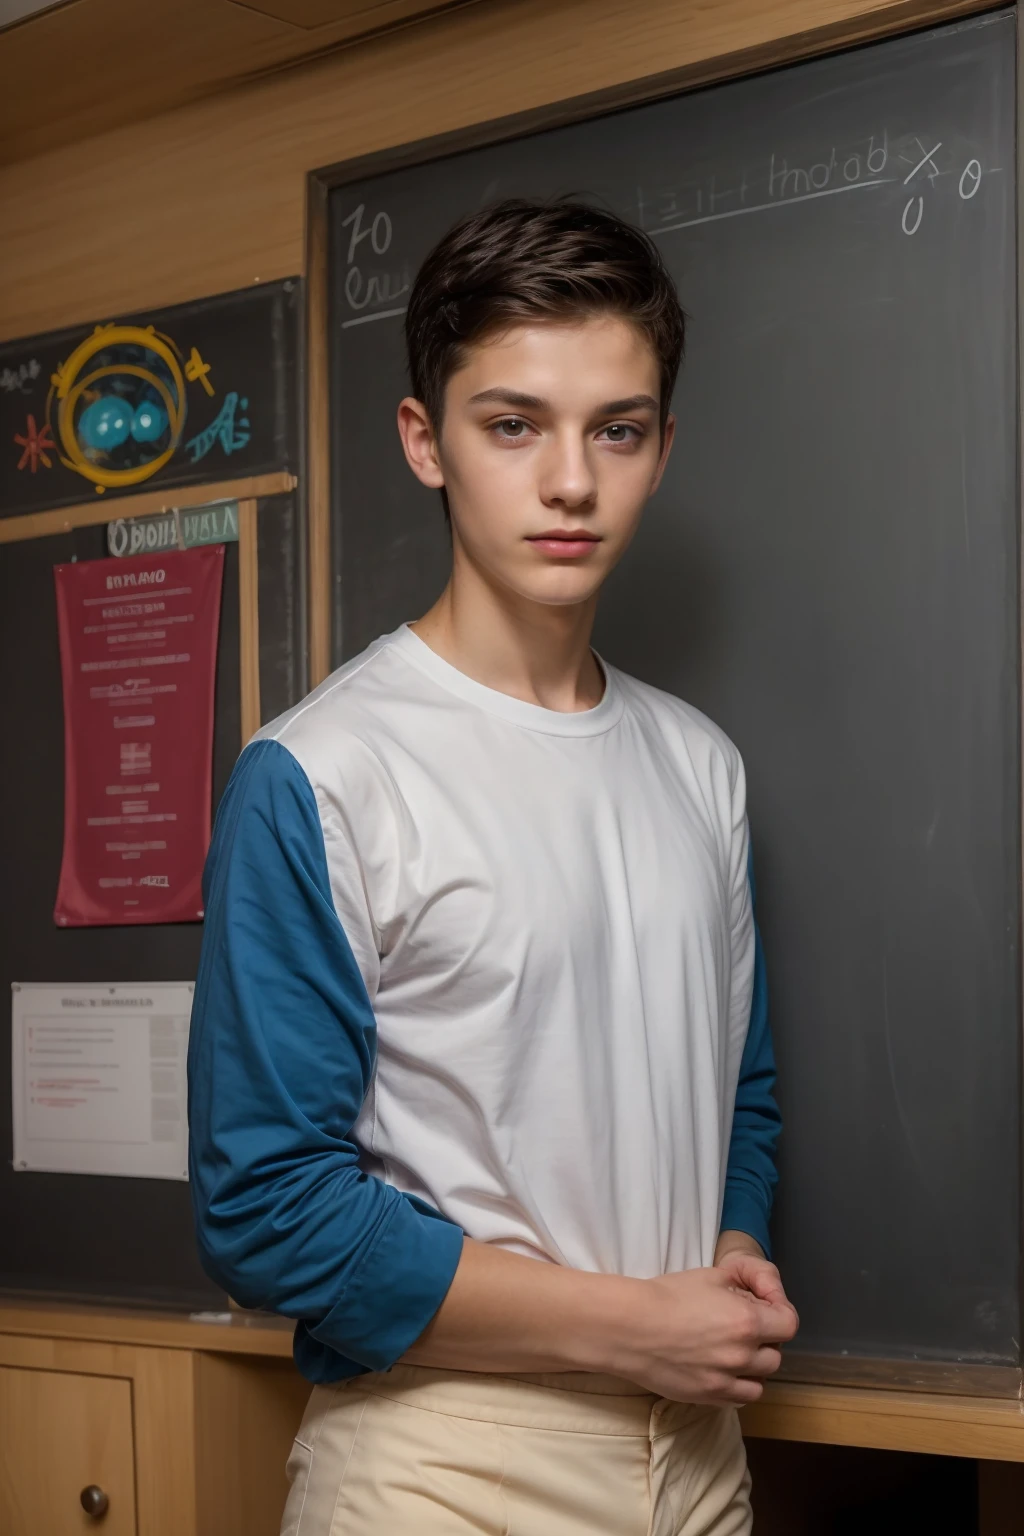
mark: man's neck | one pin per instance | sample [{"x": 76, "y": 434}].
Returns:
[{"x": 537, "y": 652}]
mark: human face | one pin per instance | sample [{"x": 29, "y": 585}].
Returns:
[{"x": 549, "y": 450}]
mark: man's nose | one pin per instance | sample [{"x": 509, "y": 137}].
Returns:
[{"x": 567, "y": 477}]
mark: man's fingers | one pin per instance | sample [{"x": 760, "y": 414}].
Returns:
[
  {"x": 767, "y": 1283},
  {"x": 776, "y": 1324},
  {"x": 766, "y": 1362},
  {"x": 744, "y": 1390},
  {"x": 758, "y": 1275}
]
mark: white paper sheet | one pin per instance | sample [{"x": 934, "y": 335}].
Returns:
[{"x": 99, "y": 1078}]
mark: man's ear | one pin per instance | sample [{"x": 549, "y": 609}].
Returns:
[
  {"x": 419, "y": 442},
  {"x": 667, "y": 438}
]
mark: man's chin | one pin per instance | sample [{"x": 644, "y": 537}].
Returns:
[{"x": 565, "y": 596}]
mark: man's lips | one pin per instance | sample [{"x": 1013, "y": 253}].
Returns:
[{"x": 569, "y": 543}]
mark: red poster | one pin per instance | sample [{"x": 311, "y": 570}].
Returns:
[{"x": 138, "y": 652}]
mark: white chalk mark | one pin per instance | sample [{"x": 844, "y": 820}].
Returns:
[
  {"x": 912, "y": 229},
  {"x": 381, "y": 314},
  {"x": 919, "y": 164},
  {"x": 782, "y": 202}
]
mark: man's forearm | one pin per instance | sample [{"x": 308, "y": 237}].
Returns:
[
  {"x": 505, "y": 1312},
  {"x": 700, "y": 1335}
]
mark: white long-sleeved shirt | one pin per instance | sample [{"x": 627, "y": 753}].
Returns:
[{"x": 550, "y": 948}]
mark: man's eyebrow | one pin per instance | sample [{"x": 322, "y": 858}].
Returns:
[
  {"x": 499, "y": 396},
  {"x": 630, "y": 403},
  {"x": 515, "y": 398}
]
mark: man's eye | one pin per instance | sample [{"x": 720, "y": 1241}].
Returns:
[
  {"x": 621, "y": 432},
  {"x": 511, "y": 426}
]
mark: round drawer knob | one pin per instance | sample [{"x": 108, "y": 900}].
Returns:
[{"x": 94, "y": 1501}]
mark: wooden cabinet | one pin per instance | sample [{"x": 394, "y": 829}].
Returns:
[
  {"x": 180, "y": 1428},
  {"x": 63, "y": 1436}
]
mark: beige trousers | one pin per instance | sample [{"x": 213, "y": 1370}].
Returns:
[{"x": 419, "y": 1452}]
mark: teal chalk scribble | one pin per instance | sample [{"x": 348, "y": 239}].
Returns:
[{"x": 233, "y": 433}]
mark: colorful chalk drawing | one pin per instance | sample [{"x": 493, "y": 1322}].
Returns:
[
  {"x": 195, "y": 369},
  {"x": 158, "y": 398},
  {"x": 231, "y": 433},
  {"x": 19, "y": 378},
  {"x": 35, "y": 443},
  {"x": 117, "y": 405}
]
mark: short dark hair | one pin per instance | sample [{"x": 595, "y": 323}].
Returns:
[{"x": 519, "y": 261}]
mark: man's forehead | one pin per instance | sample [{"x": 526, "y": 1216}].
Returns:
[{"x": 603, "y": 354}]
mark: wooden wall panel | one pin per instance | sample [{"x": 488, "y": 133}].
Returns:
[
  {"x": 211, "y": 196},
  {"x": 100, "y": 63}
]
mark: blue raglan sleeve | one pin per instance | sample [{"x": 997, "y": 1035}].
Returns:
[
  {"x": 751, "y": 1175},
  {"x": 281, "y": 1052}
]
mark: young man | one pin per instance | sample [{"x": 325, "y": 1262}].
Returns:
[{"x": 481, "y": 1081}]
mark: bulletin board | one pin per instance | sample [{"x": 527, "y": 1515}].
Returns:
[{"x": 193, "y": 406}]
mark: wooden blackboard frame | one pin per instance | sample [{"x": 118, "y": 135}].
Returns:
[{"x": 965, "y": 1380}]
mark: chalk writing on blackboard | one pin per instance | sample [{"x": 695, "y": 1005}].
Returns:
[
  {"x": 373, "y": 288},
  {"x": 860, "y": 166},
  {"x": 967, "y": 186},
  {"x": 777, "y": 183},
  {"x": 232, "y": 433},
  {"x": 19, "y": 378}
]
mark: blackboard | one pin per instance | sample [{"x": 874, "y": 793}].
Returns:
[
  {"x": 198, "y": 392},
  {"x": 830, "y": 571},
  {"x": 280, "y": 554},
  {"x": 75, "y": 1235}
]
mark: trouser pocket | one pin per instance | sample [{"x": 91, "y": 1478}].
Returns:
[{"x": 299, "y": 1468}]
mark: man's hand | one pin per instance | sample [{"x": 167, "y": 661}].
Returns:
[
  {"x": 742, "y": 1259},
  {"x": 699, "y": 1337}
]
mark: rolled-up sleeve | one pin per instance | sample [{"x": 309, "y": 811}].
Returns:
[{"x": 281, "y": 1055}]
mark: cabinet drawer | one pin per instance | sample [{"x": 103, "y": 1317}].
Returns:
[{"x": 61, "y": 1434}]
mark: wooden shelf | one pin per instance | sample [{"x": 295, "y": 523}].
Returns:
[
  {"x": 990, "y": 1429},
  {"x": 936, "y": 1423},
  {"x": 246, "y": 1334}
]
